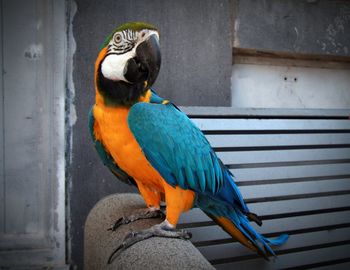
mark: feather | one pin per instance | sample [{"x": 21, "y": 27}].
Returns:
[
  {"x": 105, "y": 156},
  {"x": 180, "y": 144}
]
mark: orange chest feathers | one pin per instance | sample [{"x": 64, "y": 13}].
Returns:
[{"x": 112, "y": 129}]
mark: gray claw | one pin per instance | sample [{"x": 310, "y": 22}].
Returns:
[
  {"x": 158, "y": 230},
  {"x": 137, "y": 215},
  {"x": 117, "y": 223}
]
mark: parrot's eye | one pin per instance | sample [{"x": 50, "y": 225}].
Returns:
[
  {"x": 122, "y": 42},
  {"x": 117, "y": 38}
]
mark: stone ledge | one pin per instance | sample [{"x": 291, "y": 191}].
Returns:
[{"x": 153, "y": 253}]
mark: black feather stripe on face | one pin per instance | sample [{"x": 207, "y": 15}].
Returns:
[
  {"x": 117, "y": 93},
  {"x": 125, "y": 43}
]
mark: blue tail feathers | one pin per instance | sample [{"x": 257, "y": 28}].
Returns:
[
  {"x": 262, "y": 244},
  {"x": 278, "y": 241},
  {"x": 229, "y": 203}
]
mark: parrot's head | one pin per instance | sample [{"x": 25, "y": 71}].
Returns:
[{"x": 128, "y": 63}]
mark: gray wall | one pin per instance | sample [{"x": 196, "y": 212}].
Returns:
[
  {"x": 273, "y": 86},
  {"x": 302, "y": 26},
  {"x": 32, "y": 179},
  {"x": 196, "y": 70},
  {"x": 295, "y": 27}
]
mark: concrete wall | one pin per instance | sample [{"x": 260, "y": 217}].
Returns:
[
  {"x": 315, "y": 27},
  {"x": 272, "y": 86},
  {"x": 32, "y": 131},
  {"x": 303, "y": 26}
]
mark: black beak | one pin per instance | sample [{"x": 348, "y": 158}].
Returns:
[{"x": 146, "y": 64}]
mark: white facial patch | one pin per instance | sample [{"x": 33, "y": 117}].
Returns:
[{"x": 113, "y": 66}]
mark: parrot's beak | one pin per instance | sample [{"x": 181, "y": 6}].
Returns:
[{"x": 145, "y": 65}]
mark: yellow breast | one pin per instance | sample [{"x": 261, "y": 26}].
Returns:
[{"x": 111, "y": 127}]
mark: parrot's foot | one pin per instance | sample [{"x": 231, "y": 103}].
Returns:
[
  {"x": 163, "y": 229},
  {"x": 139, "y": 214}
]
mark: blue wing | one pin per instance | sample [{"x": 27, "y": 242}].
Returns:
[
  {"x": 180, "y": 152},
  {"x": 106, "y": 157},
  {"x": 183, "y": 156}
]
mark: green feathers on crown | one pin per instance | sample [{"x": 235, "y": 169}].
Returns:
[{"x": 135, "y": 26}]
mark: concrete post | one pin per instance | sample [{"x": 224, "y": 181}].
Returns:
[{"x": 153, "y": 253}]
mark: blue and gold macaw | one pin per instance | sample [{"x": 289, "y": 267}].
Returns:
[{"x": 147, "y": 141}]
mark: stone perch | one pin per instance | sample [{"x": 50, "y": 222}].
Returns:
[{"x": 153, "y": 253}]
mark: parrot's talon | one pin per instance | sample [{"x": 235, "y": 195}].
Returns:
[
  {"x": 187, "y": 235},
  {"x": 117, "y": 223},
  {"x": 137, "y": 215},
  {"x": 159, "y": 230}
]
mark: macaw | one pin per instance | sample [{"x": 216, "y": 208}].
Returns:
[{"x": 147, "y": 141}]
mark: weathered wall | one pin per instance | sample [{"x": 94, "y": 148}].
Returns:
[
  {"x": 308, "y": 26},
  {"x": 196, "y": 70},
  {"x": 32, "y": 180},
  {"x": 272, "y": 86},
  {"x": 319, "y": 27}
]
